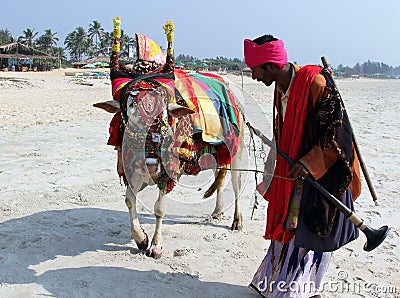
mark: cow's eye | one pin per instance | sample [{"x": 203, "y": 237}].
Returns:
[{"x": 130, "y": 102}]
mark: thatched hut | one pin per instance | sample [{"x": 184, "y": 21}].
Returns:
[
  {"x": 106, "y": 59},
  {"x": 22, "y": 57}
]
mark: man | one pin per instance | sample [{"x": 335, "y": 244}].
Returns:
[{"x": 311, "y": 128}]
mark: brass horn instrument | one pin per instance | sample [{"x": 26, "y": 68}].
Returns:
[{"x": 374, "y": 236}]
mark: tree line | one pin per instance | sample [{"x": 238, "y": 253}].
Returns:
[
  {"x": 79, "y": 44},
  {"x": 215, "y": 64},
  {"x": 369, "y": 68},
  {"x": 82, "y": 44}
]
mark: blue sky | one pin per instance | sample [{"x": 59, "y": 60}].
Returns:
[{"x": 346, "y": 32}]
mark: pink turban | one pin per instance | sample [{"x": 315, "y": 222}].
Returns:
[{"x": 257, "y": 55}]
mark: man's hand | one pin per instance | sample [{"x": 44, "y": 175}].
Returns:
[{"x": 298, "y": 170}]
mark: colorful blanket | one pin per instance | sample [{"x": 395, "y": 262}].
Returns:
[{"x": 216, "y": 112}]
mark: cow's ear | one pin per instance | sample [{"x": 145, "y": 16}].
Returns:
[
  {"x": 178, "y": 111},
  {"x": 111, "y": 106}
]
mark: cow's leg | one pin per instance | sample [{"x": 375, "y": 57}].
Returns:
[
  {"x": 236, "y": 183},
  {"x": 138, "y": 234},
  {"x": 219, "y": 204},
  {"x": 155, "y": 250}
]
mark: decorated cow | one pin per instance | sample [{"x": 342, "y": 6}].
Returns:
[{"x": 172, "y": 124}]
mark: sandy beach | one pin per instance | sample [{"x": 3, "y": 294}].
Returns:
[{"x": 64, "y": 226}]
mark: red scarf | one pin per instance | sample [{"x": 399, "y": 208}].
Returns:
[{"x": 280, "y": 190}]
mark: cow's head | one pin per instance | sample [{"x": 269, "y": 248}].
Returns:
[
  {"x": 145, "y": 107},
  {"x": 147, "y": 99},
  {"x": 146, "y": 110}
]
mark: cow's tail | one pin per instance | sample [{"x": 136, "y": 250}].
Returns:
[{"x": 219, "y": 180}]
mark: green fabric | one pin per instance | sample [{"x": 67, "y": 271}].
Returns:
[{"x": 221, "y": 92}]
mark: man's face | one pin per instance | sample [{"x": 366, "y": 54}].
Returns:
[{"x": 262, "y": 74}]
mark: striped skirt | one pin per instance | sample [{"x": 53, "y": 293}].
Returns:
[{"x": 290, "y": 271}]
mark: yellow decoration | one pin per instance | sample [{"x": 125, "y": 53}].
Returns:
[
  {"x": 169, "y": 30},
  {"x": 117, "y": 27},
  {"x": 116, "y": 46}
]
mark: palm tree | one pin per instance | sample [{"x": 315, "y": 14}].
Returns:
[
  {"x": 60, "y": 53},
  {"x": 126, "y": 42},
  {"x": 76, "y": 43},
  {"x": 5, "y": 36},
  {"x": 106, "y": 41},
  {"x": 47, "y": 41},
  {"x": 89, "y": 48},
  {"x": 96, "y": 31},
  {"x": 28, "y": 37}
]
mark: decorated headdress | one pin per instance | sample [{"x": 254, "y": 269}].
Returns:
[
  {"x": 148, "y": 50},
  {"x": 151, "y": 59}
]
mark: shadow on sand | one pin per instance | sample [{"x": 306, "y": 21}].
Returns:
[{"x": 29, "y": 242}]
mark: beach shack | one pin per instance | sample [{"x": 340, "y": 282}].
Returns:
[
  {"x": 19, "y": 57},
  {"x": 99, "y": 60}
]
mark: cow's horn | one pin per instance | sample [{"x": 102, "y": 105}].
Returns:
[{"x": 169, "y": 32}]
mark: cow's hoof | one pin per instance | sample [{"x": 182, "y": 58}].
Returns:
[
  {"x": 217, "y": 216},
  {"x": 237, "y": 224},
  {"x": 154, "y": 253},
  {"x": 144, "y": 244}
]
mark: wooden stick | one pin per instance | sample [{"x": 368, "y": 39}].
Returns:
[{"x": 362, "y": 164}]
